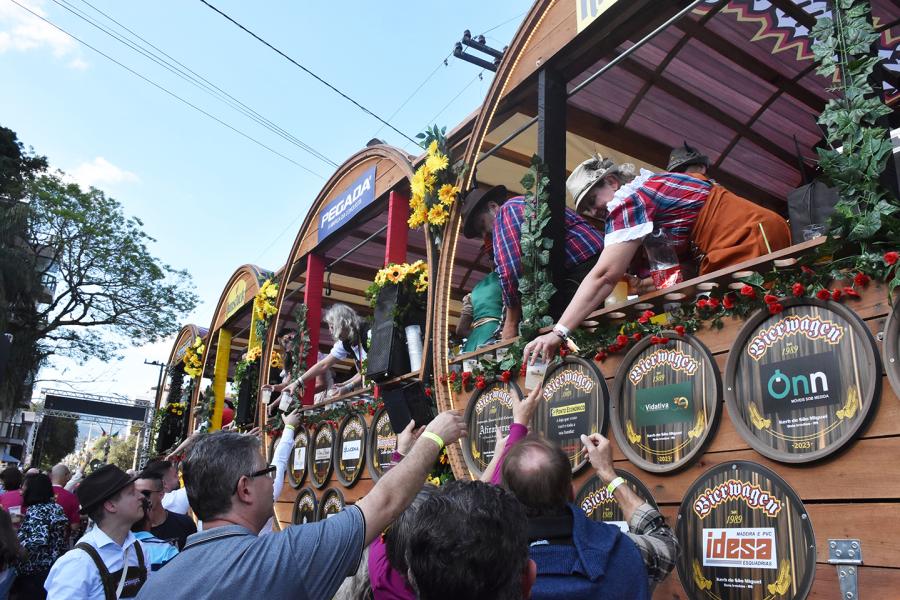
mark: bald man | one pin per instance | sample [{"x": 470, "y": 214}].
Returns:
[{"x": 60, "y": 476}]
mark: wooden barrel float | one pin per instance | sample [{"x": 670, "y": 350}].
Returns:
[
  {"x": 382, "y": 443},
  {"x": 489, "y": 410},
  {"x": 320, "y": 462},
  {"x": 744, "y": 535},
  {"x": 800, "y": 384},
  {"x": 349, "y": 452},
  {"x": 665, "y": 404},
  {"x": 306, "y": 508},
  {"x": 598, "y": 504},
  {"x": 891, "y": 345},
  {"x": 332, "y": 503},
  {"x": 573, "y": 402},
  {"x": 296, "y": 468}
]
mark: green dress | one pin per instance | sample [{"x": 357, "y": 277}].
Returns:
[{"x": 487, "y": 303}]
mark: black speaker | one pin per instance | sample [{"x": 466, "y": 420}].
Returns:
[
  {"x": 5, "y": 345},
  {"x": 388, "y": 356},
  {"x": 407, "y": 402}
]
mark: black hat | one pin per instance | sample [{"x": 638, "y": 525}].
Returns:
[
  {"x": 684, "y": 156},
  {"x": 100, "y": 485},
  {"x": 474, "y": 200}
]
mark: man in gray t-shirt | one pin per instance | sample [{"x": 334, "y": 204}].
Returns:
[{"x": 230, "y": 488}]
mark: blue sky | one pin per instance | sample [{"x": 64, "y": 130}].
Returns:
[{"x": 211, "y": 198}]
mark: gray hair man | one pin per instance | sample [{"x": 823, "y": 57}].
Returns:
[{"x": 230, "y": 488}]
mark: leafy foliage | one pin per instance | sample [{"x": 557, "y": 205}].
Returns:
[
  {"x": 56, "y": 438},
  {"x": 867, "y": 213}
]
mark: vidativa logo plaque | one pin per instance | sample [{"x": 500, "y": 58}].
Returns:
[
  {"x": 744, "y": 534},
  {"x": 665, "y": 402},
  {"x": 573, "y": 402},
  {"x": 799, "y": 385}
]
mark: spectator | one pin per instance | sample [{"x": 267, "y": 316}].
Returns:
[
  {"x": 159, "y": 552},
  {"x": 79, "y": 474},
  {"x": 468, "y": 542},
  {"x": 43, "y": 536},
  {"x": 165, "y": 525},
  {"x": 623, "y": 565},
  {"x": 351, "y": 335},
  {"x": 280, "y": 457},
  {"x": 108, "y": 561},
  {"x": 230, "y": 489},
  {"x": 175, "y": 499},
  {"x": 10, "y": 554},
  {"x": 11, "y": 501},
  {"x": 60, "y": 476},
  {"x": 487, "y": 214}
]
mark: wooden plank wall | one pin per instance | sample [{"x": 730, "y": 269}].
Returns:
[{"x": 855, "y": 494}]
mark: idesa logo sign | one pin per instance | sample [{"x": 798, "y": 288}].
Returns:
[{"x": 752, "y": 548}]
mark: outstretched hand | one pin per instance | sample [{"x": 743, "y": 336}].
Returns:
[
  {"x": 523, "y": 410},
  {"x": 449, "y": 426},
  {"x": 543, "y": 347},
  {"x": 408, "y": 437}
]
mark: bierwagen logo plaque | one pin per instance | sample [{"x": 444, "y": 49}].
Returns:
[
  {"x": 320, "y": 456},
  {"x": 665, "y": 402},
  {"x": 297, "y": 462},
  {"x": 489, "y": 411},
  {"x": 349, "y": 453},
  {"x": 573, "y": 403},
  {"x": 382, "y": 443},
  {"x": 332, "y": 503},
  {"x": 306, "y": 507},
  {"x": 598, "y": 504},
  {"x": 744, "y": 535},
  {"x": 801, "y": 384}
]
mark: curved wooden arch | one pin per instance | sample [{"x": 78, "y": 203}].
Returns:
[
  {"x": 508, "y": 75},
  {"x": 252, "y": 277},
  {"x": 186, "y": 336},
  {"x": 399, "y": 167}
]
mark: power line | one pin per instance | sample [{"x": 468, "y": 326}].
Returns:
[
  {"x": 167, "y": 91},
  {"x": 190, "y": 76},
  {"x": 310, "y": 73}
]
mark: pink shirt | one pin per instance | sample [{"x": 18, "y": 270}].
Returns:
[
  {"x": 11, "y": 499},
  {"x": 387, "y": 583},
  {"x": 69, "y": 503}
]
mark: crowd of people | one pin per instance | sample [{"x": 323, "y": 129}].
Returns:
[{"x": 514, "y": 534}]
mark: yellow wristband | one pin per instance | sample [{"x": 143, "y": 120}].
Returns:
[
  {"x": 434, "y": 438},
  {"x": 615, "y": 483},
  {"x": 289, "y": 426}
]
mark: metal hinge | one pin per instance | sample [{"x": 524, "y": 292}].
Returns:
[{"x": 846, "y": 555}]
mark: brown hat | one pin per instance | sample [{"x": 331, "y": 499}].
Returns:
[
  {"x": 474, "y": 200},
  {"x": 684, "y": 156},
  {"x": 99, "y": 486}
]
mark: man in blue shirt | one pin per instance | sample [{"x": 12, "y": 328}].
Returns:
[{"x": 229, "y": 487}]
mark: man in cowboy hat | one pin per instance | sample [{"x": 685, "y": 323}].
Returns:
[
  {"x": 701, "y": 219},
  {"x": 108, "y": 561},
  {"x": 488, "y": 214},
  {"x": 582, "y": 184}
]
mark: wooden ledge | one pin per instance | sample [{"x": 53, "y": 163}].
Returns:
[{"x": 723, "y": 279}]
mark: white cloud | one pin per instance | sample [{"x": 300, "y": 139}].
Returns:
[
  {"x": 21, "y": 31},
  {"x": 100, "y": 172}
]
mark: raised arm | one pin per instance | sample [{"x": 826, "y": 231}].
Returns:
[{"x": 397, "y": 488}]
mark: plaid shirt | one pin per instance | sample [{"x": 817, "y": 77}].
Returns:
[
  {"x": 670, "y": 201},
  {"x": 582, "y": 242},
  {"x": 655, "y": 541}
]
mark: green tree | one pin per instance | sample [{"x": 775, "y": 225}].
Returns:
[
  {"x": 121, "y": 449},
  {"x": 56, "y": 439},
  {"x": 109, "y": 287}
]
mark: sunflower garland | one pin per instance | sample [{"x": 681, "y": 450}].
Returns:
[
  {"x": 432, "y": 185},
  {"x": 193, "y": 357},
  {"x": 264, "y": 301}
]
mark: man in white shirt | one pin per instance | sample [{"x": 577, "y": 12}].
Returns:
[
  {"x": 108, "y": 558},
  {"x": 175, "y": 500}
]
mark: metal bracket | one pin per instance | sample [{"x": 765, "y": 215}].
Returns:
[{"x": 846, "y": 555}]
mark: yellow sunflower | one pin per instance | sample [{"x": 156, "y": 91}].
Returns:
[
  {"x": 433, "y": 148},
  {"x": 415, "y": 202},
  {"x": 422, "y": 282},
  {"x": 447, "y": 194},
  {"x": 436, "y": 163},
  {"x": 418, "y": 217},
  {"x": 381, "y": 277},
  {"x": 395, "y": 274},
  {"x": 438, "y": 214}
]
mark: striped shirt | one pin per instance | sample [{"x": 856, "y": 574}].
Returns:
[
  {"x": 582, "y": 243},
  {"x": 670, "y": 201}
]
